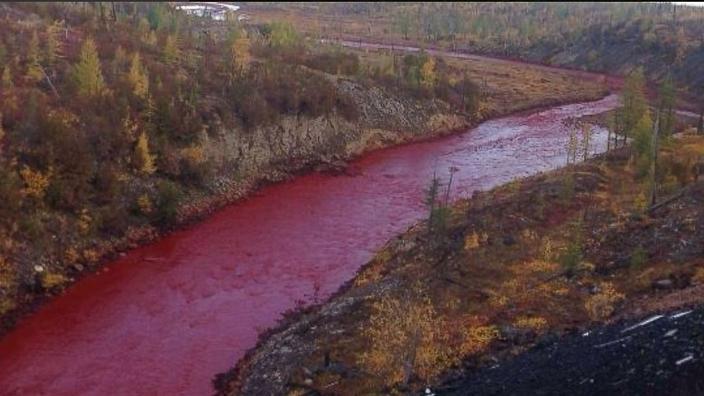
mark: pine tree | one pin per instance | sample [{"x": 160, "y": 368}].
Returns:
[
  {"x": 586, "y": 139},
  {"x": 171, "y": 51},
  {"x": 87, "y": 75},
  {"x": 239, "y": 58},
  {"x": 138, "y": 78},
  {"x": 53, "y": 43},
  {"x": 7, "y": 83},
  {"x": 666, "y": 107},
  {"x": 2, "y": 133},
  {"x": 427, "y": 73},
  {"x": 119, "y": 61},
  {"x": 634, "y": 103},
  {"x": 145, "y": 159},
  {"x": 34, "y": 69}
]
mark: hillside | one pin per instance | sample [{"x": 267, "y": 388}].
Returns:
[
  {"x": 122, "y": 122},
  {"x": 613, "y": 38},
  {"x": 520, "y": 265}
]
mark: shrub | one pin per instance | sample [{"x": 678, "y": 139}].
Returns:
[
  {"x": 601, "y": 305},
  {"x": 639, "y": 256},
  {"x": 168, "y": 202}
]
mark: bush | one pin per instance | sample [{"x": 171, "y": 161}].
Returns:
[
  {"x": 169, "y": 197},
  {"x": 638, "y": 257}
]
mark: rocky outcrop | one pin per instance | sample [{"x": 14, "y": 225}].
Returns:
[{"x": 294, "y": 143}]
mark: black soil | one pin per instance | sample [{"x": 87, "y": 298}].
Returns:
[{"x": 663, "y": 357}]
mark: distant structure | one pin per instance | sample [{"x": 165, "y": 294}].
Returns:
[{"x": 215, "y": 11}]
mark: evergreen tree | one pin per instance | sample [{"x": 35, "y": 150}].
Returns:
[
  {"x": 634, "y": 103},
  {"x": 53, "y": 43},
  {"x": 34, "y": 69},
  {"x": 87, "y": 74},
  {"x": 144, "y": 158},
  {"x": 138, "y": 78},
  {"x": 427, "y": 73},
  {"x": 666, "y": 106},
  {"x": 171, "y": 51},
  {"x": 6, "y": 82}
]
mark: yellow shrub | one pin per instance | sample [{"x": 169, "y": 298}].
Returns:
[
  {"x": 50, "y": 280},
  {"x": 84, "y": 222},
  {"x": 535, "y": 323},
  {"x": 90, "y": 255},
  {"x": 601, "y": 305},
  {"x": 194, "y": 155},
  {"x": 478, "y": 338},
  {"x": 145, "y": 204},
  {"x": 71, "y": 256},
  {"x": 35, "y": 182},
  {"x": 698, "y": 277},
  {"x": 404, "y": 331},
  {"x": 641, "y": 203},
  {"x": 471, "y": 241},
  {"x": 498, "y": 300}
]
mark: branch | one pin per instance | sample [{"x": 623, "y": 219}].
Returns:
[{"x": 48, "y": 80}]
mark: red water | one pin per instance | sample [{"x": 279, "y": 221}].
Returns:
[{"x": 168, "y": 316}]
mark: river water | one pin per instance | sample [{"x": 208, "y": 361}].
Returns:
[{"x": 168, "y": 316}]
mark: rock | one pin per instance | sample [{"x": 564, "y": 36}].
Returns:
[
  {"x": 509, "y": 240},
  {"x": 663, "y": 284},
  {"x": 308, "y": 382},
  {"x": 516, "y": 335}
]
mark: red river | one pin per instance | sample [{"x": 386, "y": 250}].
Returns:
[{"x": 164, "y": 319}]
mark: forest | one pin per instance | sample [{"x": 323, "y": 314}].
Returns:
[
  {"x": 615, "y": 38},
  {"x": 107, "y": 109}
]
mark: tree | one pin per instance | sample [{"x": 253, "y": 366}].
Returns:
[
  {"x": 403, "y": 23},
  {"x": 666, "y": 107},
  {"x": 119, "y": 61},
  {"x": 87, "y": 74},
  {"x": 34, "y": 69},
  {"x": 144, "y": 158},
  {"x": 283, "y": 35},
  {"x": 54, "y": 46},
  {"x": 138, "y": 78},
  {"x": 700, "y": 124},
  {"x": 6, "y": 82},
  {"x": 2, "y": 133},
  {"x": 643, "y": 144},
  {"x": 171, "y": 51},
  {"x": 634, "y": 103},
  {"x": 572, "y": 146},
  {"x": 469, "y": 93},
  {"x": 586, "y": 139},
  {"x": 427, "y": 73},
  {"x": 239, "y": 58}
]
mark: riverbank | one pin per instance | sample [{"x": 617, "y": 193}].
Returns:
[
  {"x": 388, "y": 118},
  {"x": 516, "y": 266}
]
